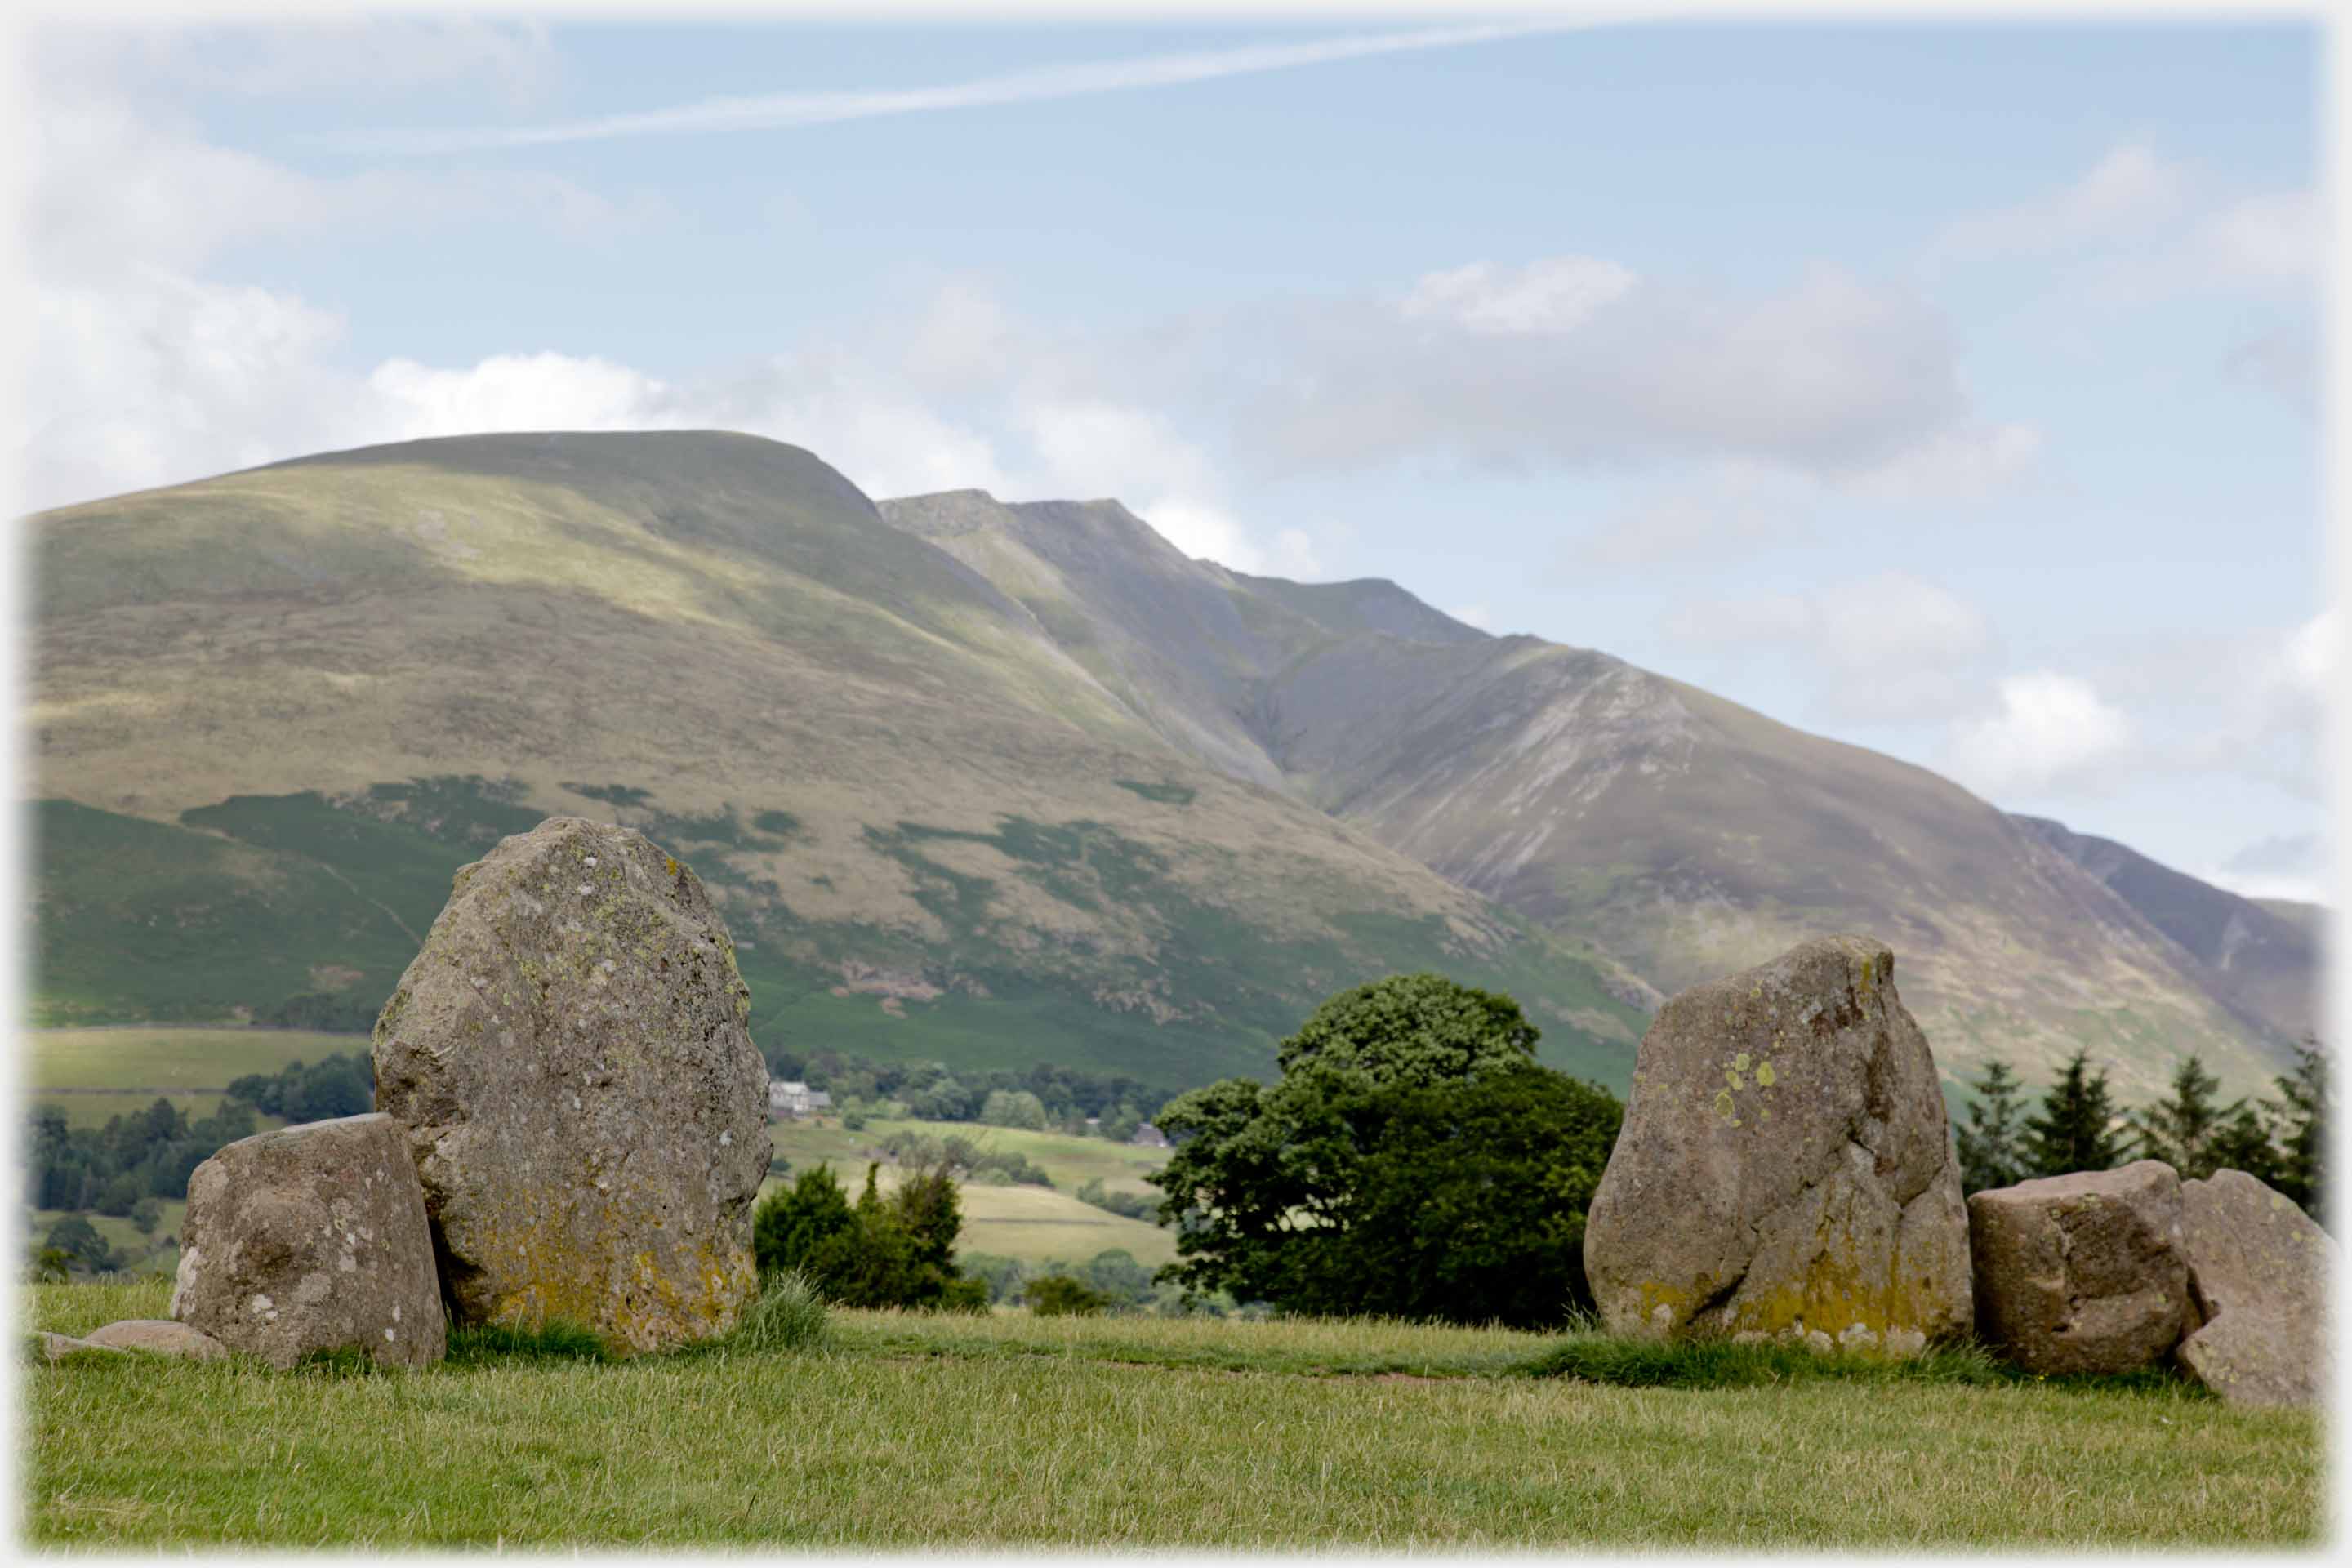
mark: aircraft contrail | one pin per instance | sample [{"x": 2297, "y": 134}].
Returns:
[{"x": 770, "y": 111}]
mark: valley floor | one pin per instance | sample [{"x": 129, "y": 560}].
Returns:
[{"x": 909, "y": 1431}]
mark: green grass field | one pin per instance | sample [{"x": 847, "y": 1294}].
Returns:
[
  {"x": 905, "y": 1431},
  {"x": 95, "y": 1074},
  {"x": 148, "y": 1254},
  {"x": 1036, "y": 1224},
  {"x": 1071, "y": 1161}
]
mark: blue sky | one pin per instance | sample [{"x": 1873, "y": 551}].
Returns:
[{"x": 1946, "y": 389}]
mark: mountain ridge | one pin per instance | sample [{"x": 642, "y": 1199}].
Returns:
[
  {"x": 990, "y": 781},
  {"x": 292, "y": 699},
  {"x": 1680, "y": 834}
]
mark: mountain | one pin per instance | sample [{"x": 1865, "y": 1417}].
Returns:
[
  {"x": 1677, "y": 832},
  {"x": 272, "y": 711},
  {"x": 2262, "y": 957},
  {"x": 994, "y": 783}
]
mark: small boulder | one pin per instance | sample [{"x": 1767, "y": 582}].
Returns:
[
  {"x": 160, "y": 1336},
  {"x": 55, "y": 1348},
  {"x": 2259, "y": 1273},
  {"x": 1785, "y": 1168},
  {"x": 570, "y": 1052},
  {"x": 2081, "y": 1273},
  {"x": 313, "y": 1238}
]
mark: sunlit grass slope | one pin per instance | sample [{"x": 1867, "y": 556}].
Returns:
[
  {"x": 274, "y": 711},
  {"x": 92, "y": 1075}
]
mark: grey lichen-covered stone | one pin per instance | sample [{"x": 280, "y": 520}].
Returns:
[
  {"x": 2081, "y": 1273},
  {"x": 160, "y": 1336},
  {"x": 570, "y": 1052},
  {"x": 2259, "y": 1274},
  {"x": 1785, "y": 1169},
  {"x": 313, "y": 1238}
]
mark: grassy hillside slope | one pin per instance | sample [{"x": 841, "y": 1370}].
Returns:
[
  {"x": 1679, "y": 833},
  {"x": 272, "y": 713}
]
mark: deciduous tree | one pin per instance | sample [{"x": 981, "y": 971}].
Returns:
[{"x": 1412, "y": 1159}]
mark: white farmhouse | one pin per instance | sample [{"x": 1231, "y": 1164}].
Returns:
[{"x": 788, "y": 1097}]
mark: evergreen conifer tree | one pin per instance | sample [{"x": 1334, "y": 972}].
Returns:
[
  {"x": 2244, "y": 1144},
  {"x": 2074, "y": 1130},
  {"x": 1992, "y": 1144},
  {"x": 2304, "y": 1109},
  {"x": 2180, "y": 1130}
]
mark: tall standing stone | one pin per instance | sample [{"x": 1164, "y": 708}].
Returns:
[
  {"x": 2259, "y": 1274},
  {"x": 571, "y": 1052},
  {"x": 1785, "y": 1170},
  {"x": 311, "y": 1238}
]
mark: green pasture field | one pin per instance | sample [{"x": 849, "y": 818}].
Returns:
[
  {"x": 1036, "y": 1224},
  {"x": 907, "y": 1431},
  {"x": 122, "y": 1234},
  {"x": 1069, "y": 1160},
  {"x": 64, "y": 1066}
]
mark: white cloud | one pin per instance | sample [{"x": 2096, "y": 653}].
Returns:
[
  {"x": 2285, "y": 361},
  {"x": 1831, "y": 376},
  {"x": 315, "y": 56},
  {"x": 2143, "y": 228},
  {"x": 2250, "y": 704},
  {"x": 2312, "y": 655},
  {"x": 1553, "y": 295},
  {"x": 887, "y": 442},
  {"x": 2269, "y": 240},
  {"x": 1092, "y": 449},
  {"x": 2049, "y": 731},
  {"x": 1889, "y": 647},
  {"x": 111, "y": 187},
  {"x": 772, "y": 112},
  {"x": 149, "y": 373},
  {"x": 2283, "y": 865},
  {"x": 1863, "y": 626},
  {"x": 1896, "y": 621},
  {"x": 519, "y": 391},
  {"x": 1478, "y": 615},
  {"x": 159, "y": 378},
  {"x": 2129, "y": 191},
  {"x": 1962, "y": 463},
  {"x": 1730, "y": 509},
  {"x": 964, "y": 338}
]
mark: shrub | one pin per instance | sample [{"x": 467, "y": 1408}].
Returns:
[
  {"x": 897, "y": 1251},
  {"x": 1060, "y": 1296},
  {"x": 1001, "y": 1277},
  {"x": 1129, "y": 1205},
  {"x": 339, "y": 1085},
  {"x": 1121, "y": 1280},
  {"x": 1013, "y": 1107},
  {"x": 792, "y": 1222},
  {"x": 963, "y": 1294},
  {"x": 78, "y": 1241}
]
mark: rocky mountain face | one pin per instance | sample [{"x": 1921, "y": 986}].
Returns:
[
  {"x": 2262, "y": 957},
  {"x": 1678, "y": 833},
  {"x": 991, "y": 784}
]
